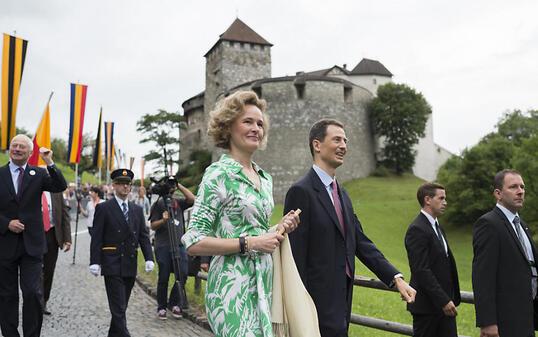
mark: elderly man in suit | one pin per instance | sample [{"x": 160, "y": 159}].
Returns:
[
  {"x": 330, "y": 235},
  {"x": 504, "y": 264},
  {"x": 433, "y": 268},
  {"x": 58, "y": 235},
  {"x": 119, "y": 227},
  {"x": 22, "y": 236}
]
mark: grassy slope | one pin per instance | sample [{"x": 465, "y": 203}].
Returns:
[
  {"x": 386, "y": 207},
  {"x": 68, "y": 172}
]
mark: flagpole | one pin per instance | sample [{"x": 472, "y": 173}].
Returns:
[
  {"x": 76, "y": 175},
  {"x": 50, "y": 97}
]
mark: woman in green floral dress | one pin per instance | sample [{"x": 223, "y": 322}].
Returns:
[{"x": 231, "y": 219}]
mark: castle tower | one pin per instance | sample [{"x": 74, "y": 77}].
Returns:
[{"x": 239, "y": 56}]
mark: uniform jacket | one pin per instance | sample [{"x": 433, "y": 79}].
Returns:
[
  {"x": 115, "y": 242},
  {"x": 433, "y": 274},
  {"x": 502, "y": 277},
  {"x": 28, "y": 209},
  {"x": 320, "y": 251}
]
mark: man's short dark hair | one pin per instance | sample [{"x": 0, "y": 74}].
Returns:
[
  {"x": 427, "y": 190},
  {"x": 319, "y": 131},
  {"x": 498, "y": 181}
]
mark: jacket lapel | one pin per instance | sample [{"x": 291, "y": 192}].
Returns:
[
  {"x": 510, "y": 229},
  {"x": 325, "y": 200},
  {"x": 5, "y": 175},
  {"x": 117, "y": 212},
  {"x": 428, "y": 227}
]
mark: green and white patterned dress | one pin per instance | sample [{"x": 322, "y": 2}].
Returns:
[{"x": 239, "y": 287}]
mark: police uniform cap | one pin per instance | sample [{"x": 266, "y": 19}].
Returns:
[{"x": 122, "y": 176}]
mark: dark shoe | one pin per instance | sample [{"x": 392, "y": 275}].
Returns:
[
  {"x": 161, "y": 314},
  {"x": 45, "y": 311},
  {"x": 176, "y": 312}
]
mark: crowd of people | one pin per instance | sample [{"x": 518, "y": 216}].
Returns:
[{"x": 230, "y": 221}]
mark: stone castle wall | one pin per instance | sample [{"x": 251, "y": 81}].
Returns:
[
  {"x": 230, "y": 64},
  {"x": 287, "y": 156}
]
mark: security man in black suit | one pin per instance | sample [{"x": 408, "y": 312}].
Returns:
[
  {"x": 504, "y": 264},
  {"x": 433, "y": 268},
  {"x": 118, "y": 228}
]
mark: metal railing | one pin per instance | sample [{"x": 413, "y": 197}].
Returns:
[{"x": 376, "y": 323}]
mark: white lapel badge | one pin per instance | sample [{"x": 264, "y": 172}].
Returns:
[{"x": 32, "y": 172}]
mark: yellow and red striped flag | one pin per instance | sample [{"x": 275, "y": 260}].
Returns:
[
  {"x": 41, "y": 137},
  {"x": 78, "y": 105},
  {"x": 109, "y": 147},
  {"x": 13, "y": 56}
]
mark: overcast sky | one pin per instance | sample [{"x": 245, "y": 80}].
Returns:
[{"x": 472, "y": 60}]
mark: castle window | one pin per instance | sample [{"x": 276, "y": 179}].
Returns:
[
  {"x": 231, "y": 44},
  {"x": 241, "y": 46},
  {"x": 375, "y": 81},
  {"x": 348, "y": 95},
  {"x": 262, "y": 47},
  {"x": 199, "y": 134},
  {"x": 258, "y": 90},
  {"x": 252, "y": 47}
]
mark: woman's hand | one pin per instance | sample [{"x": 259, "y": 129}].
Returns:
[
  {"x": 289, "y": 222},
  {"x": 265, "y": 243}
]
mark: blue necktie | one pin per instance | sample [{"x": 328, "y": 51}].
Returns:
[{"x": 125, "y": 212}]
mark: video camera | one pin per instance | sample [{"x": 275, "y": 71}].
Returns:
[{"x": 163, "y": 186}]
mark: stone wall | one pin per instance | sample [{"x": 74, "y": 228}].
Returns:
[
  {"x": 230, "y": 64},
  {"x": 287, "y": 156}
]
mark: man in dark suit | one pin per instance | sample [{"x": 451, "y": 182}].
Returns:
[
  {"x": 504, "y": 264},
  {"x": 22, "y": 236},
  {"x": 118, "y": 228},
  {"x": 330, "y": 235},
  {"x": 58, "y": 235},
  {"x": 433, "y": 269}
]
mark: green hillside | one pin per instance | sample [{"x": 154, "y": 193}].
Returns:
[
  {"x": 67, "y": 171},
  {"x": 386, "y": 207}
]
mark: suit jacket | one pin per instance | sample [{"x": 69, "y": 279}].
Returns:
[
  {"x": 320, "y": 251},
  {"x": 28, "y": 209},
  {"x": 115, "y": 241},
  {"x": 433, "y": 274},
  {"x": 502, "y": 277},
  {"x": 60, "y": 218}
]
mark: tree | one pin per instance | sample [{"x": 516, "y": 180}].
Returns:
[
  {"x": 191, "y": 175},
  {"x": 468, "y": 179},
  {"x": 399, "y": 115},
  {"x": 162, "y": 129}
]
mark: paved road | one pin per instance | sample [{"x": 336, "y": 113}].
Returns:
[{"x": 79, "y": 304}]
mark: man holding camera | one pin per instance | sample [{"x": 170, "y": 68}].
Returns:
[{"x": 159, "y": 218}]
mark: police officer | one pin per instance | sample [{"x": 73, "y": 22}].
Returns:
[{"x": 118, "y": 228}]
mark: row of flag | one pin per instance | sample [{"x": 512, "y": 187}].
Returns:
[{"x": 13, "y": 57}]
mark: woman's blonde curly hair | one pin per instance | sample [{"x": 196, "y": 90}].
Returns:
[{"x": 226, "y": 113}]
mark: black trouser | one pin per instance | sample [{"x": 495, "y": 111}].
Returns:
[
  {"x": 437, "y": 325},
  {"x": 164, "y": 261},
  {"x": 118, "y": 291},
  {"x": 30, "y": 272},
  {"x": 342, "y": 331},
  {"x": 49, "y": 264}
]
